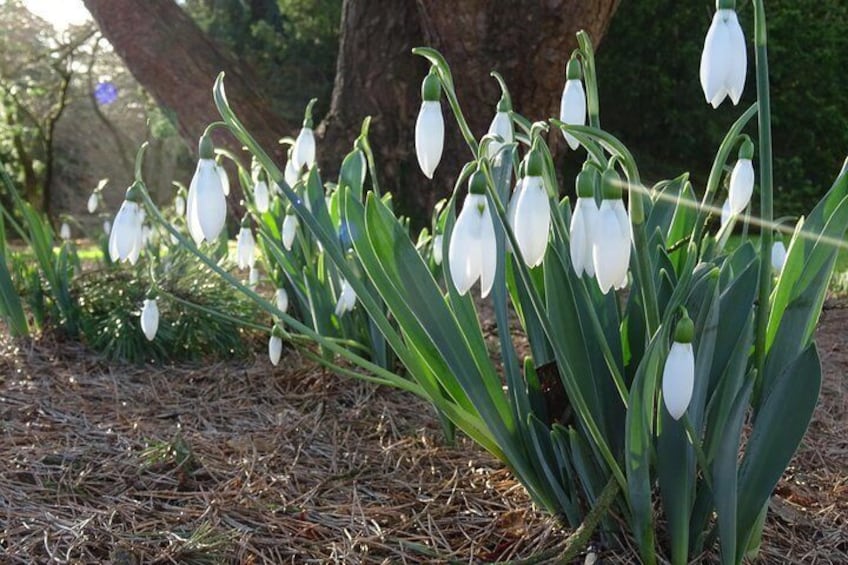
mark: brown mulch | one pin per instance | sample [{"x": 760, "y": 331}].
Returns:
[{"x": 245, "y": 463}]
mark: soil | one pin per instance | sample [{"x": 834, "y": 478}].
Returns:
[{"x": 242, "y": 462}]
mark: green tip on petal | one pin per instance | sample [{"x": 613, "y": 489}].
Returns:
[
  {"x": 151, "y": 294},
  {"x": 611, "y": 185},
  {"x": 725, "y": 4},
  {"x": 477, "y": 183},
  {"x": 245, "y": 222},
  {"x": 205, "y": 147},
  {"x": 277, "y": 331},
  {"x": 307, "y": 114},
  {"x": 134, "y": 192},
  {"x": 586, "y": 180},
  {"x": 431, "y": 88},
  {"x": 573, "y": 71},
  {"x": 746, "y": 151},
  {"x": 504, "y": 105},
  {"x": 685, "y": 330},
  {"x": 535, "y": 162}
]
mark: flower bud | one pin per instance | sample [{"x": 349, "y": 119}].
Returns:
[
  {"x": 150, "y": 318},
  {"x": 679, "y": 371},
  {"x": 430, "y": 126},
  {"x": 572, "y": 107}
]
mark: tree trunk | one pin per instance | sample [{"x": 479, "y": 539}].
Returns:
[
  {"x": 177, "y": 63},
  {"x": 527, "y": 41}
]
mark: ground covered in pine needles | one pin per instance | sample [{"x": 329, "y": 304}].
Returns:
[{"x": 246, "y": 463}]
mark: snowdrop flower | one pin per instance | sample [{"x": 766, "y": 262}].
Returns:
[
  {"x": 438, "y": 242},
  {"x": 611, "y": 237},
  {"x": 150, "y": 318},
  {"x": 501, "y": 126},
  {"x": 261, "y": 196},
  {"x": 282, "y": 300},
  {"x": 179, "y": 203},
  {"x": 65, "y": 231},
  {"x": 303, "y": 153},
  {"x": 778, "y": 256},
  {"x": 532, "y": 220},
  {"x": 347, "y": 299},
  {"x": 245, "y": 246},
  {"x": 275, "y": 346},
  {"x": 253, "y": 276},
  {"x": 291, "y": 174},
  {"x": 742, "y": 179},
  {"x": 207, "y": 203},
  {"x": 725, "y": 213},
  {"x": 93, "y": 201},
  {"x": 583, "y": 222},
  {"x": 472, "y": 253},
  {"x": 679, "y": 371},
  {"x": 107, "y": 227},
  {"x": 724, "y": 61},
  {"x": 572, "y": 106},
  {"x": 430, "y": 126},
  {"x": 290, "y": 224},
  {"x": 125, "y": 237}
]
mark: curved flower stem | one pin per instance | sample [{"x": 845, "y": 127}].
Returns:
[
  {"x": 766, "y": 212},
  {"x": 593, "y": 105},
  {"x": 369, "y": 155}
]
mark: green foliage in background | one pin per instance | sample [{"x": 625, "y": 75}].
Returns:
[
  {"x": 292, "y": 44},
  {"x": 647, "y": 86}
]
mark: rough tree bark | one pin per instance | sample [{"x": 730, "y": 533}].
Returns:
[
  {"x": 177, "y": 63},
  {"x": 528, "y": 41}
]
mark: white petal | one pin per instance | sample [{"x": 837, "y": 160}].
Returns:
[
  {"x": 92, "y": 203},
  {"x": 107, "y": 227},
  {"x": 275, "y": 349},
  {"x": 347, "y": 299},
  {"x": 179, "y": 205},
  {"x": 572, "y": 108},
  {"x": 207, "y": 204},
  {"x": 245, "y": 249},
  {"x": 725, "y": 213},
  {"x": 438, "y": 242},
  {"x": 713, "y": 59},
  {"x": 737, "y": 63},
  {"x": 261, "y": 197},
  {"x": 488, "y": 252},
  {"x": 610, "y": 247},
  {"x": 291, "y": 173},
  {"x": 778, "y": 256},
  {"x": 678, "y": 379},
  {"x": 533, "y": 221},
  {"x": 65, "y": 231},
  {"x": 253, "y": 276},
  {"x": 150, "y": 318},
  {"x": 282, "y": 300},
  {"x": 304, "y": 149},
  {"x": 225, "y": 180},
  {"x": 741, "y": 185},
  {"x": 289, "y": 231},
  {"x": 122, "y": 238},
  {"x": 464, "y": 257},
  {"x": 502, "y": 126},
  {"x": 584, "y": 217},
  {"x": 429, "y": 136}
]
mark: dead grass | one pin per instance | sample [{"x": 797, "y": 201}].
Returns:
[{"x": 248, "y": 464}]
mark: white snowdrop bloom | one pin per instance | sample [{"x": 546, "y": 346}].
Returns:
[
  {"x": 125, "y": 236},
  {"x": 430, "y": 126},
  {"x": 275, "y": 349},
  {"x": 501, "y": 126},
  {"x": 261, "y": 197},
  {"x": 572, "y": 106},
  {"x": 245, "y": 248},
  {"x": 150, "y": 318},
  {"x": 282, "y": 300},
  {"x": 679, "y": 371},
  {"x": 724, "y": 60},
  {"x": 206, "y": 207},
  {"x": 583, "y": 222},
  {"x": 65, "y": 231},
  {"x": 179, "y": 205},
  {"x": 93, "y": 201},
  {"x": 741, "y": 185},
  {"x": 472, "y": 252},
  {"x": 290, "y": 224},
  {"x": 225, "y": 179},
  {"x": 253, "y": 276},
  {"x": 107, "y": 227},
  {"x": 726, "y": 214},
  {"x": 291, "y": 174},
  {"x": 347, "y": 299},
  {"x": 513, "y": 203},
  {"x": 304, "y": 148},
  {"x": 611, "y": 236},
  {"x": 532, "y": 221},
  {"x": 778, "y": 256},
  {"x": 438, "y": 242}
]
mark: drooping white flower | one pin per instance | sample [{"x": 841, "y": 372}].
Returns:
[
  {"x": 245, "y": 248},
  {"x": 125, "y": 239},
  {"x": 501, "y": 126},
  {"x": 93, "y": 201},
  {"x": 611, "y": 236},
  {"x": 724, "y": 60},
  {"x": 347, "y": 299},
  {"x": 253, "y": 276},
  {"x": 282, "y": 300},
  {"x": 472, "y": 253},
  {"x": 290, "y": 224},
  {"x": 179, "y": 204},
  {"x": 107, "y": 227},
  {"x": 430, "y": 126},
  {"x": 207, "y": 204},
  {"x": 275, "y": 348},
  {"x": 572, "y": 106},
  {"x": 291, "y": 174},
  {"x": 438, "y": 242},
  {"x": 261, "y": 197},
  {"x": 742, "y": 180},
  {"x": 532, "y": 221},
  {"x": 304, "y": 148},
  {"x": 679, "y": 371},
  {"x": 150, "y": 318},
  {"x": 778, "y": 256},
  {"x": 65, "y": 231},
  {"x": 583, "y": 222}
]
